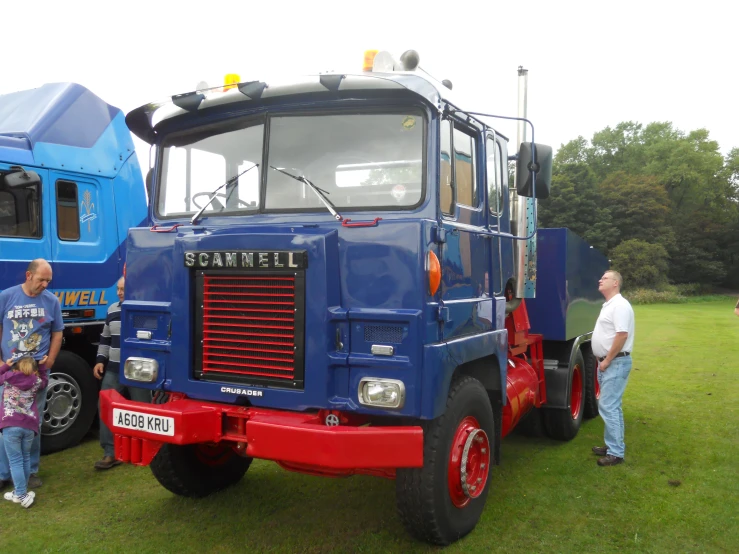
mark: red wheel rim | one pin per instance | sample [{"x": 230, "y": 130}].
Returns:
[
  {"x": 597, "y": 383},
  {"x": 469, "y": 462},
  {"x": 576, "y": 392}
]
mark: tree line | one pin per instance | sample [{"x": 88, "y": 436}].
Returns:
[{"x": 663, "y": 205}]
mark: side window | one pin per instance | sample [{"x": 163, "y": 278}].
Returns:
[
  {"x": 446, "y": 192},
  {"x": 20, "y": 212},
  {"x": 67, "y": 211},
  {"x": 464, "y": 168},
  {"x": 495, "y": 176}
]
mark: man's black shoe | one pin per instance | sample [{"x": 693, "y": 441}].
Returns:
[
  {"x": 610, "y": 460},
  {"x": 600, "y": 450},
  {"x": 34, "y": 481}
]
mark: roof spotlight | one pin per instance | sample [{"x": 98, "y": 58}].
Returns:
[
  {"x": 409, "y": 60},
  {"x": 383, "y": 62}
]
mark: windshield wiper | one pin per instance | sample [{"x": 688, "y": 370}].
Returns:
[
  {"x": 213, "y": 194},
  {"x": 320, "y": 193}
]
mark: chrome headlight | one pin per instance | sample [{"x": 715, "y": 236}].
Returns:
[
  {"x": 381, "y": 393},
  {"x": 141, "y": 369}
]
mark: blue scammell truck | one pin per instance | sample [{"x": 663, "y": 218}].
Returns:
[
  {"x": 70, "y": 188},
  {"x": 338, "y": 276}
]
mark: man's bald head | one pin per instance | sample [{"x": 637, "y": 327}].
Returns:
[{"x": 38, "y": 277}]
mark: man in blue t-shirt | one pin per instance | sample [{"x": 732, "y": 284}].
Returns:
[{"x": 30, "y": 325}]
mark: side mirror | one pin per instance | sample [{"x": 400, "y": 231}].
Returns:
[
  {"x": 21, "y": 178},
  {"x": 539, "y": 162}
]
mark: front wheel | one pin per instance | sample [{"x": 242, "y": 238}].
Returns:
[
  {"x": 197, "y": 470},
  {"x": 443, "y": 501}
]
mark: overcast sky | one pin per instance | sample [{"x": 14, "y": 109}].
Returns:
[{"x": 591, "y": 64}]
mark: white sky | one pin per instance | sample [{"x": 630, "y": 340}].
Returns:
[{"x": 591, "y": 64}]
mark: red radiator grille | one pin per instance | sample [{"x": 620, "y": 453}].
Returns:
[{"x": 249, "y": 325}]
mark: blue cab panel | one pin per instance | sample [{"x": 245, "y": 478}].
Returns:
[
  {"x": 91, "y": 193},
  {"x": 567, "y": 300}
]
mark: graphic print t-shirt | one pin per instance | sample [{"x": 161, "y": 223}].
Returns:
[{"x": 28, "y": 322}]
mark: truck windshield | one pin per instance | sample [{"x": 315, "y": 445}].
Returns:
[
  {"x": 359, "y": 161},
  {"x": 195, "y": 164}
]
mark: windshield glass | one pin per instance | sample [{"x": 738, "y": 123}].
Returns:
[
  {"x": 195, "y": 165},
  {"x": 371, "y": 160},
  {"x": 360, "y": 161}
]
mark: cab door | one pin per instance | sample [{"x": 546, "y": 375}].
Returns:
[
  {"x": 465, "y": 256},
  {"x": 84, "y": 244},
  {"x": 495, "y": 212}
]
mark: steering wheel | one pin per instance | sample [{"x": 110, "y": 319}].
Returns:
[{"x": 241, "y": 203}]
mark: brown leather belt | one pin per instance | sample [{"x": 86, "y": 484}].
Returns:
[{"x": 619, "y": 355}]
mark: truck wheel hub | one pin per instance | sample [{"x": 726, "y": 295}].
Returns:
[
  {"x": 469, "y": 462},
  {"x": 62, "y": 404}
]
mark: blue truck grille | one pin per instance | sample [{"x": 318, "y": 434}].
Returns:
[{"x": 252, "y": 328}]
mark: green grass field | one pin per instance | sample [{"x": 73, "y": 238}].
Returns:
[{"x": 677, "y": 492}]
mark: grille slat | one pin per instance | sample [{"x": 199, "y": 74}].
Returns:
[
  {"x": 248, "y": 310},
  {"x": 255, "y": 371},
  {"x": 251, "y": 302},
  {"x": 247, "y": 353},
  {"x": 219, "y": 342},
  {"x": 287, "y": 328},
  {"x": 271, "y": 335},
  {"x": 249, "y": 325},
  {"x": 252, "y": 319}
]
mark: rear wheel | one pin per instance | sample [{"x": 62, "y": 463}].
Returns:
[
  {"x": 592, "y": 387},
  {"x": 443, "y": 501},
  {"x": 532, "y": 424},
  {"x": 197, "y": 470},
  {"x": 563, "y": 424},
  {"x": 71, "y": 403}
]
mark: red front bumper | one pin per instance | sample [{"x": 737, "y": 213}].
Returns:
[{"x": 295, "y": 439}]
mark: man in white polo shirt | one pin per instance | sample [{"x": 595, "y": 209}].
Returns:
[{"x": 612, "y": 342}]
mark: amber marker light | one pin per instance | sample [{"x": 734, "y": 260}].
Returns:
[
  {"x": 230, "y": 81},
  {"x": 369, "y": 59},
  {"x": 433, "y": 268}
]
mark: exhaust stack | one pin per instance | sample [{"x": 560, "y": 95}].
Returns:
[{"x": 522, "y": 210}]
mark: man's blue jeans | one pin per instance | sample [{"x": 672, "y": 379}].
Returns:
[
  {"x": 111, "y": 381},
  {"x": 612, "y": 386},
  {"x": 17, "y": 445},
  {"x": 35, "y": 446}
]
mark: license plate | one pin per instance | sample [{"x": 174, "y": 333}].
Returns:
[{"x": 159, "y": 425}]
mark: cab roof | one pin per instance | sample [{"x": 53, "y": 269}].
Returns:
[
  {"x": 143, "y": 121},
  {"x": 63, "y": 125}
]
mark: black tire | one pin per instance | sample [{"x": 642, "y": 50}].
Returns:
[
  {"x": 197, "y": 470},
  {"x": 71, "y": 403},
  {"x": 423, "y": 495},
  {"x": 592, "y": 392},
  {"x": 564, "y": 424},
  {"x": 531, "y": 425}
]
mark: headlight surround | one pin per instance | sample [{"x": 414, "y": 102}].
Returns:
[
  {"x": 381, "y": 393},
  {"x": 145, "y": 370}
]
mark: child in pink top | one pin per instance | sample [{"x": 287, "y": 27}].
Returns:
[{"x": 19, "y": 420}]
